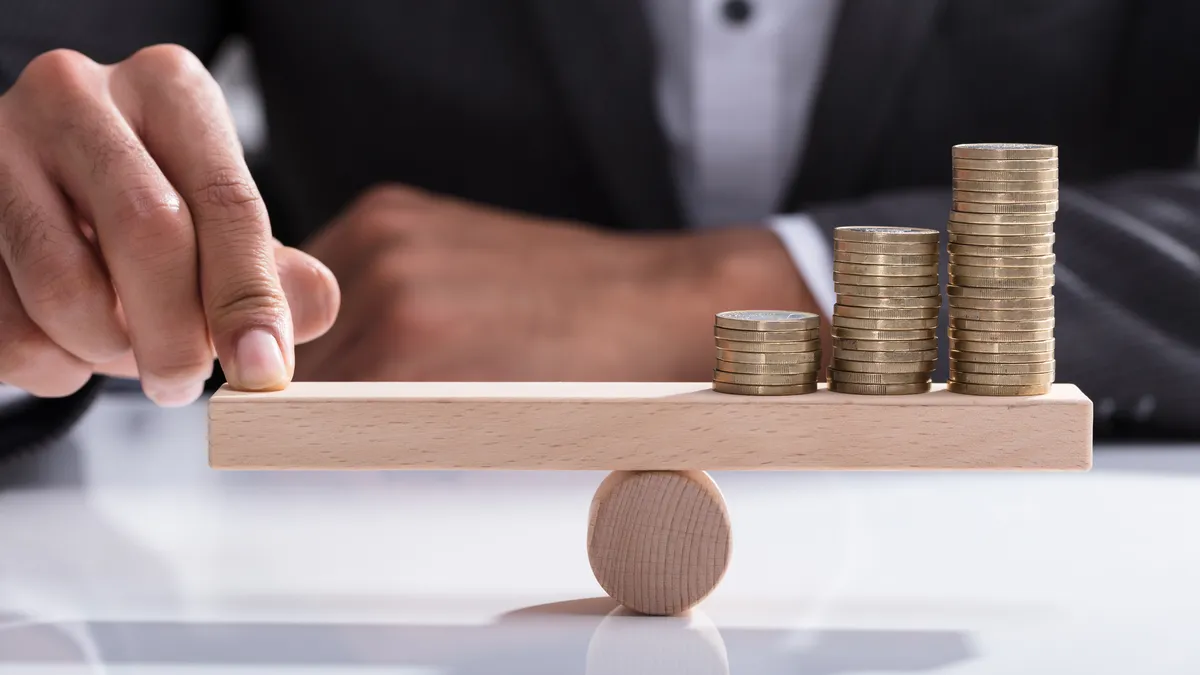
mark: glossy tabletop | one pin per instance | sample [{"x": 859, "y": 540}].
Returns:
[{"x": 121, "y": 551}]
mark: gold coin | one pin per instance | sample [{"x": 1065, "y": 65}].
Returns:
[
  {"x": 886, "y": 235},
  {"x": 1029, "y": 207},
  {"x": 1004, "y": 151},
  {"x": 926, "y": 302},
  {"x": 954, "y": 227},
  {"x": 992, "y": 347},
  {"x": 851, "y": 311},
  {"x": 1001, "y": 326},
  {"x": 769, "y": 347},
  {"x": 889, "y": 249},
  {"x": 1006, "y": 164},
  {"x": 1003, "y": 218},
  {"x": 1001, "y": 368},
  {"x": 884, "y": 258},
  {"x": 870, "y": 345},
  {"x": 884, "y": 335},
  {"x": 1038, "y": 292},
  {"x": 766, "y": 336},
  {"x": 999, "y": 335},
  {"x": 1005, "y": 304},
  {"x": 1045, "y": 239},
  {"x": 1006, "y": 175},
  {"x": 765, "y": 319},
  {"x": 997, "y": 390},
  {"x": 925, "y": 292},
  {"x": 886, "y": 270},
  {"x": 867, "y": 280},
  {"x": 1002, "y": 260},
  {"x": 1002, "y": 272},
  {"x": 992, "y": 251},
  {"x": 961, "y": 313},
  {"x": 884, "y": 324},
  {"x": 1004, "y": 197},
  {"x": 1002, "y": 282},
  {"x": 911, "y": 357},
  {"x": 879, "y": 389},
  {"x": 877, "y": 378},
  {"x": 764, "y": 390},
  {"x": 768, "y": 380},
  {"x": 768, "y": 368},
  {"x": 848, "y": 366},
  {"x": 960, "y": 358},
  {"x": 769, "y": 358},
  {"x": 1041, "y": 187}
]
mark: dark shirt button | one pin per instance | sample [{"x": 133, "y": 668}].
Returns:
[{"x": 737, "y": 12}]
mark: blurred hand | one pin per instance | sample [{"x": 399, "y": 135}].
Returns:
[
  {"x": 439, "y": 289},
  {"x": 133, "y": 239}
]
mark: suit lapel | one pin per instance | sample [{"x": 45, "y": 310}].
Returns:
[
  {"x": 602, "y": 57},
  {"x": 876, "y": 44}
]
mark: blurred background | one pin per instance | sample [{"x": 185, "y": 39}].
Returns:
[{"x": 122, "y": 551}]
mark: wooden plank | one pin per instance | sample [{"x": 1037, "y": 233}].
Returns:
[{"x": 639, "y": 426}]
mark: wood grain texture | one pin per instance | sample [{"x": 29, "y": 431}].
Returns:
[
  {"x": 640, "y": 426},
  {"x": 659, "y": 541}
]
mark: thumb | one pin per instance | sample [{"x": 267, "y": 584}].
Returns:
[{"x": 312, "y": 292}]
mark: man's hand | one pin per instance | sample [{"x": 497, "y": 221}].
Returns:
[
  {"x": 438, "y": 289},
  {"x": 133, "y": 239}
]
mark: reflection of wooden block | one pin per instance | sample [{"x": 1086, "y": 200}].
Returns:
[
  {"x": 658, "y": 541},
  {"x": 640, "y": 426}
]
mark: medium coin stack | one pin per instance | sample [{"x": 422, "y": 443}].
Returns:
[
  {"x": 767, "y": 353},
  {"x": 886, "y": 316},
  {"x": 1001, "y": 240}
]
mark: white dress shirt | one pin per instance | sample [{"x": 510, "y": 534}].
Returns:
[{"x": 735, "y": 98}]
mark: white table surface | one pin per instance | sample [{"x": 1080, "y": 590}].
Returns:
[{"x": 122, "y": 552}]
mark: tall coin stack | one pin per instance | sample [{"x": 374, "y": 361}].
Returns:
[
  {"x": 767, "y": 353},
  {"x": 1001, "y": 240},
  {"x": 886, "y": 316}
]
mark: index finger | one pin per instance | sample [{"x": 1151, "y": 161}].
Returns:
[{"x": 184, "y": 122}]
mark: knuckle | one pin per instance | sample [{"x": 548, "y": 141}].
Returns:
[
  {"x": 153, "y": 221},
  {"x": 251, "y": 298},
  {"x": 144, "y": 204},
  {"x": 57, "y": 69},
  {"x": 167, "y": 62},
  {"x": 390, "y": 197},
  {"x": 58, "y": 87},
  {"x": 231, "y": 196},
  {"x": 377, "y": 196}
]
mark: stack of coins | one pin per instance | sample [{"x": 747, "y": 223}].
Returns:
[
  {"x": 1001, "y": 239},
  {"x": 767, "y": 353},
  {"x": 886, "y": 316}
]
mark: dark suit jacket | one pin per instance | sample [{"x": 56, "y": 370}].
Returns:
[{"x": 547, "y": 106}]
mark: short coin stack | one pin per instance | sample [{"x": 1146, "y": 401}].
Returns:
[
  {"x": 885, "y": 319},
  {"x": 1001, "y": 239},
  {"x": 767, "y": 353}
]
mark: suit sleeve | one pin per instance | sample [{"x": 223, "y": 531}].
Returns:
[
  {"x": 1127, "y": 292},
  {"x": 107, "y": 31}
]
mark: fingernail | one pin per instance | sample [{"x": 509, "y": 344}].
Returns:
[
  {"x": 259, "y": 363},
  {"x": 177, "y": 397}
]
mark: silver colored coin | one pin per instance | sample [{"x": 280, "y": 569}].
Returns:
[{"x": 767, "y": 319}]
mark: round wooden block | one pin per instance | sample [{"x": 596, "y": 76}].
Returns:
[{"x": 659, "y": 541}]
